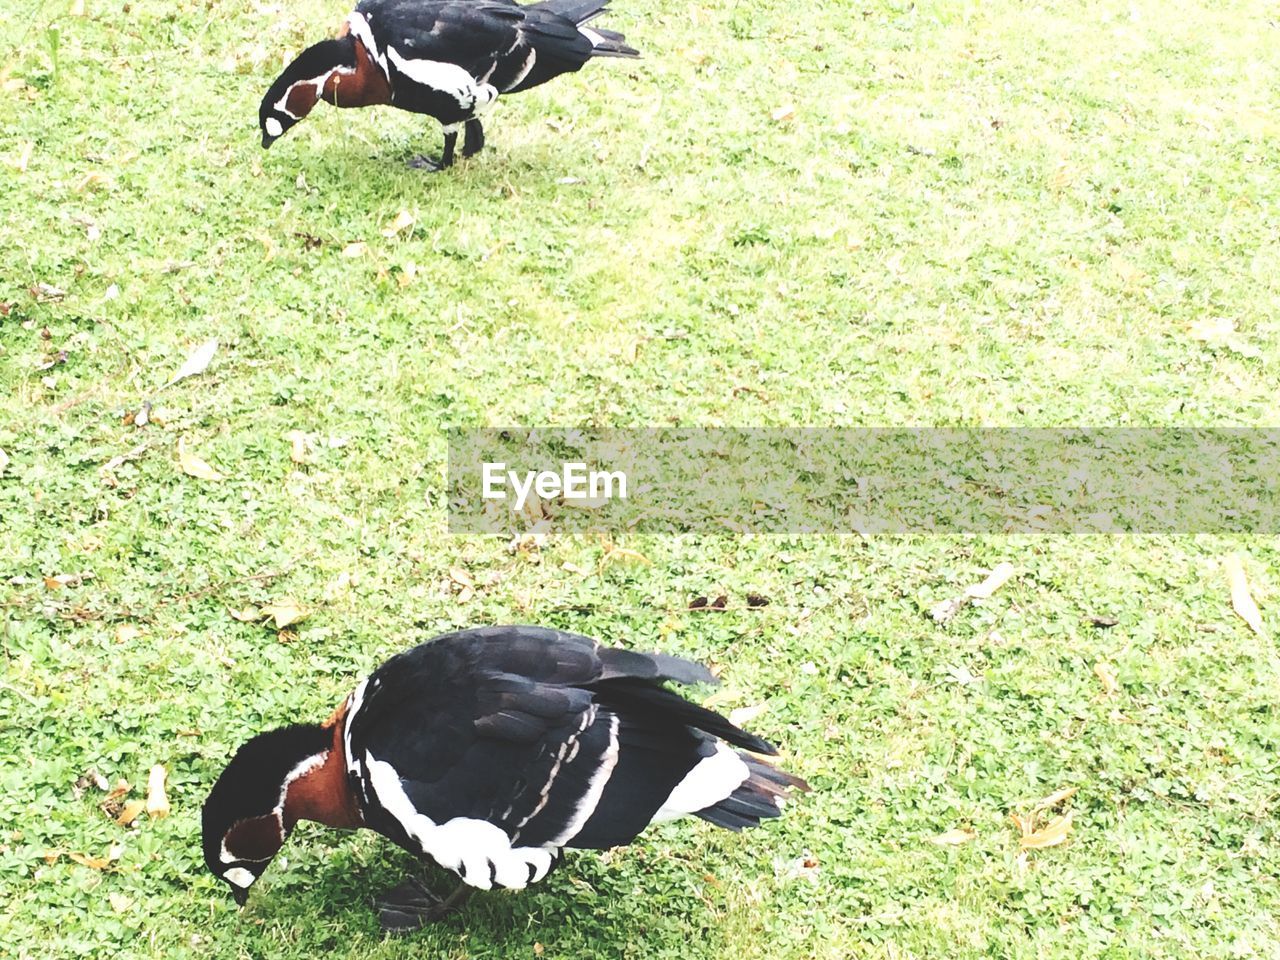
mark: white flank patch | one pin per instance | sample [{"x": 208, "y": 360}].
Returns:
[
  {"x": 712, "y": 780},
  {"x": 241, "y": 877},
  {"x": 273, "y": 127},
  {"x": 464, "y": 845},
  {"x": 595, "y": 787},
  {"x": 437, "y": 75}
]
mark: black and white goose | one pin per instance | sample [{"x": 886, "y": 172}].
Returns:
[
  {"x": 449, "y": 59},
  {"x": 489, "y": 752}
]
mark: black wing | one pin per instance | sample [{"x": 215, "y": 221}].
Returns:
[
  {"x": 495, "y": 41},
  {"x": 490, "y": 750}
]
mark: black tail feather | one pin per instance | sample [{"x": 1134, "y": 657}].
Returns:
[
  {"x": 626, "y": 694},
  {"x": 761, "y": 796},
  {"x": 579, "y": 11}
]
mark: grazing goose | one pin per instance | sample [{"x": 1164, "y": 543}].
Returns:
[
  {"x": 489, "y": 752},
  {"x": 449, "y": 59}
]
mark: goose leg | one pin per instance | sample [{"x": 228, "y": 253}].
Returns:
[
  {"x": 474, "y": 141},
  {"x": 446, "y": 158},
  {"x": 411, "y": 905}
]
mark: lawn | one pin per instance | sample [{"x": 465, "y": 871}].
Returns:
[{"x": 810, "y": 213}]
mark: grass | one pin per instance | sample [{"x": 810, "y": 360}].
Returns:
[{"x": 995, "y": 213}]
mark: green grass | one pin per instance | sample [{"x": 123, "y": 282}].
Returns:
[{"x": 980, "y": 213}]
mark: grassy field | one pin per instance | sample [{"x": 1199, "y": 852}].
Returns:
[{"x": 816, "y": 213}]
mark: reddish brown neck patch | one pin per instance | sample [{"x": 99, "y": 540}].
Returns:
[
  {"x": 257, "y": 838},
  {"x": 324, "y": 793},
  {"x": 361, "y": 88}
]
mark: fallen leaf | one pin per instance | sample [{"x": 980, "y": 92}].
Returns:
[
  {"x": 962, "y": 675},
  {"x": 403, "y": 221},
  {"x": 744, "y": 715},
  {"x": 119, "y": 902},
  {"x": 1241, "y": 600},
  {"x": 47, "y": 293},
  {"x": 4, "y": 461},
  {"x": 1107, "y": 675},
  {"x": 127, "y": 632},
  {"x": 284, "y": 612},
  {"x": 1055, "y": 798},
  {"x": 945, "y": 610},
  {"x": 460, "y": 576},
  {"x": 119, "y": 790},
  {"x": 157, "y": 800},
  {"x": 95, "y": 863},
  {"x": 756, "y": 600},
  {"x": 193, "y": 466},
  {"x": 1101, "y": 622},
  {"x": 783, "y": 114},
  {"x": 804, "y": 868},
  {"x": 297, "y": 446},
  {"x": 247, "y": 615},
  {"x": 953, "y": 838},
  {"x": 354, "y": 250},
  {"x": 197, "y": 363},
  {"x": 130, "y": 812},
  {"x": 586, "y": 503},
  {"x": 994, "y": 581},
  {"x": 1050, "y": 835}
]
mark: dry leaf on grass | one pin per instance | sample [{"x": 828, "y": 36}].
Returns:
[
  {"x": 1050, "y": 835},
  {"x": 994, "y": 581},
  {"x": 744, "y": 715},
  {"x": 115, "y": 852},
  {"x": 1055, "y": 798},
  {"x": 953, "y": 838},
  {"x": 130, "y": 812},
  {"x": 353, "y": 250},
  {"x": 944, "y": 610},
  {"x": 284, "y": 612},
  {"x": 585, "y": 503},
  {"x": 193, "y": 466},
  {"x": 403, "y": 221},
  {"x": 127, "y": 632},
  {"x": 1241, "y": 600},
  {"x": 247, "y": 615},
  {"x": 1107, "y": 675},
  {"x": 616, "y": 554},
  {"x": 119, "y": 902},
  {"x": 297, "y": 446},
  {"x": 157, "y": 800},
  {"x": 197, "y": 363}
]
